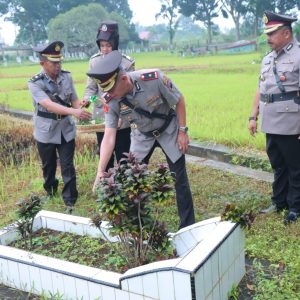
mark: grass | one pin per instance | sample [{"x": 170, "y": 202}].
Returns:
[
  {"x": 219, "y": 91},
  {"x": 273, "y": 246}
]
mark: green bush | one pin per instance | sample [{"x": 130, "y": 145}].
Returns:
[{"x": 130, "y": 198}]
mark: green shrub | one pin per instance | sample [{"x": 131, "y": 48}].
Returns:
[{"x": 130, "y": 198}]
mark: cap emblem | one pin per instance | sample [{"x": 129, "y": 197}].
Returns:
[
  {"x": 265, "y": 19},
  {"x": 104, "y": 27},
  {"x": 57, "y": 48}
]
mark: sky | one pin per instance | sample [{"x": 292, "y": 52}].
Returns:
[{"x": 144, "y": 12}]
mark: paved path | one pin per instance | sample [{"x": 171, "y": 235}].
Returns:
[{"x": 237, "y": 170}]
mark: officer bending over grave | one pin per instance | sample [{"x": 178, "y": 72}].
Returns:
[{"x": 155, "y": 109}]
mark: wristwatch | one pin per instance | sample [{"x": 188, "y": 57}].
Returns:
[
  {"x": 251, "y": 118},
  {"x": 184, "y": 129}
]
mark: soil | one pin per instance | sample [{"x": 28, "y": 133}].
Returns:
[{"x": 79, "y": 249}]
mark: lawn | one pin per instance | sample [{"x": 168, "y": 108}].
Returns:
[
  {"x": 218, "y": 90},
  {"x": 272, "y": 247}
]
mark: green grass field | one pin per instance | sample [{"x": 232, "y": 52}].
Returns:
[
  {"x": 219, "y": 91},
  {"x": 272, "y": 247}
]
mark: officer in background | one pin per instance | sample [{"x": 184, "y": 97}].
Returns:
[
  {"x": 108, "y": 41},
  {"x": 55, "y": 101},
  {"x": 277, "y": 100},
  {"x": 155, "y": 109}
]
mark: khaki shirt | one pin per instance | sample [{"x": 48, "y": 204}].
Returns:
[
  {"x": 92, "y": 87},
  {"x": 156, "y": 95},
  {"x": 47, "y": 130},
  {"x": 281, "y": 117}
]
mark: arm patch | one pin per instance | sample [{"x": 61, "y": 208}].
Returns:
[{"x": 149, "y": 76}]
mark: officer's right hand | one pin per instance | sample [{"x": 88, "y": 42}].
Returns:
[
  {"x": 252, "y": 126},
  {"x": 97, "y": 180},
  {"x": 82, "y": 114}
]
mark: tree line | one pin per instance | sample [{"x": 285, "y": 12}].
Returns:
[
  {"x": 207, "y": 11},
  {"x": 76, "y": 21}
]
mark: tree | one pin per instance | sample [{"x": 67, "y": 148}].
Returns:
[
  {"x": 257, "y": 8},
  {"x": 32, "y": 16},
  {"x": 236, "y": 9},
  {"x": 78, "y": 27},
  {"x": 202, "y": 10},
  {"x": 168, "y": 11}
]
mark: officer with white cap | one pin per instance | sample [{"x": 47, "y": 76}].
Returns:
[{"x": 277, "y": 101}]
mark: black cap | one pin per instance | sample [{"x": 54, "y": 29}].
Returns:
[
  {"x": 108, "y": 31},
  {"x": 105, "y": 71},
  {"x": 275, "y": 21},
  {"x": 51, "y": 52}
]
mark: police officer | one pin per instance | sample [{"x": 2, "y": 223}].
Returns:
[
  {"x": 155, "y": 109},
  {"x": 55, "y": 101},
  {"x": 108, "y": 40},
  {"x": 277, "y": 100}
]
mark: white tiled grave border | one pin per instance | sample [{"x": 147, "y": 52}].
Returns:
[{"x": 211, "y": 260}]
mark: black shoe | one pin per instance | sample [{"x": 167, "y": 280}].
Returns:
[
  {"x": 69, "y": 209},
  {"x": 51, "y": 191},
  {"x": 291, "y": 217}
]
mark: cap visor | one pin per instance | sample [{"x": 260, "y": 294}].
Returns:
[
  {"x": 109, "y": 86},
  {"x": 273, "y": 28},
  {"x": 55, "y": 59}
]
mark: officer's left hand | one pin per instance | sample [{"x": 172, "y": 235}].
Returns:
[
  {"x": 183, "y": 141},
  {"x": 84, "y": 103},
  {"x": 81, "y": 114}
]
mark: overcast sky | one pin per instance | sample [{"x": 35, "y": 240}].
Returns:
[{"x": 144, "y": 12}]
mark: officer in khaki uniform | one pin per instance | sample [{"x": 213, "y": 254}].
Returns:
[
  {"x": 277, "y": 101},
  {"x": 55, "y": 101},
  {"x": 155, "y": 109},
  {"x": 108, "y": 40}
]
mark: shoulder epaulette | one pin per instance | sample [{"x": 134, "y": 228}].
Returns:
[
  {"x": 128, "y": 57},
  {"x": 268, "y": 53},
  {"x": 149, "y": 76},
  {"x": 37, "y": 77},
  {"x": 64, "y": 71},
  {"x": 95, "y": 55}
]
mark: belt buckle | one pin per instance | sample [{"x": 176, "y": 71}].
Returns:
[
  {"x": 58, "y": 117},
  {"x": 268, "y": 98},
  {"x": 156, "y": 133}
]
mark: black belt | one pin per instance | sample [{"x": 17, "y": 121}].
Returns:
[
  {"x": 157, "y": 132},
  {"x": 269, "y": 98},
  {"x": 49, "y": 115}
]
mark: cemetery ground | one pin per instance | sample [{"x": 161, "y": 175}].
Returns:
[
  {"x": 219, "y": 92},
  {"x": 272, "y": 249}
]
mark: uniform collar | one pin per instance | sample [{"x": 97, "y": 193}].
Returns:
[
  {"x": 58, "y": 80},
  {"x": 286, "y": 49}
]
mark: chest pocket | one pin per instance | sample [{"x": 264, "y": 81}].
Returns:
[{"x": 285, "y": 67}]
